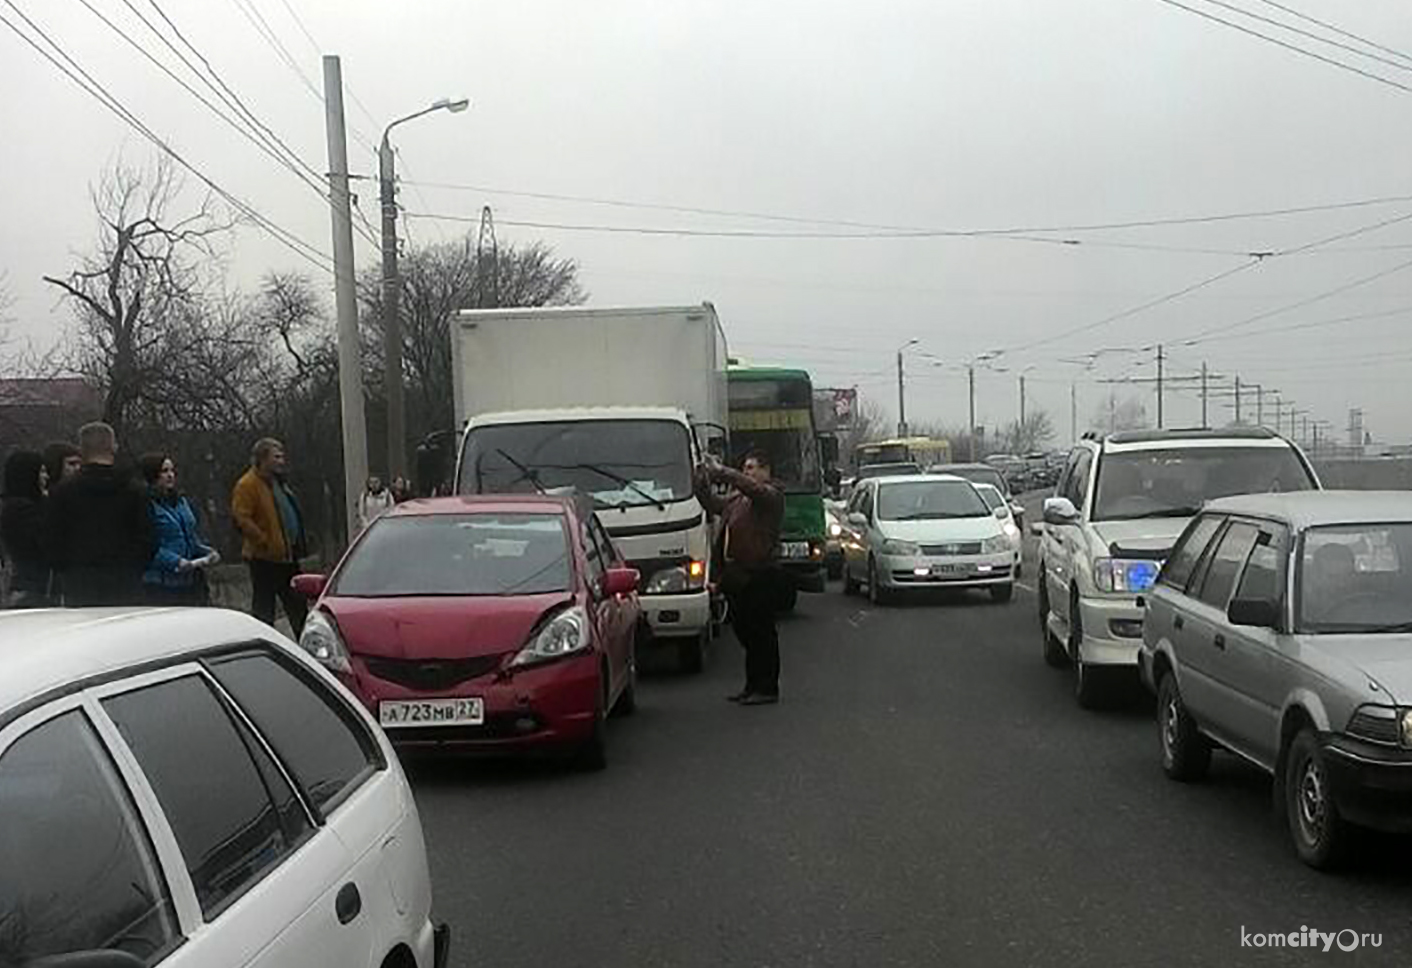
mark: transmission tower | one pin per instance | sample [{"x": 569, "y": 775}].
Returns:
[{"x": 487, "y": 269}]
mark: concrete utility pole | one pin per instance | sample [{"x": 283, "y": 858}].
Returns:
[
  {"x": 1237, "y": 400},
  {"x": 392, "y": 317},
  {"x": 1204, "y": 422},
  {"x": 971, "y": 386},
  {"x": 350, "y": 373},
  {"x": 901, "y": 399},
  {"x": 1073, "y": 411},
  {"x": 1259, "y": 404},
  {"x": 1022, "y": 403},
  {"x": 1159, "y": 386}
]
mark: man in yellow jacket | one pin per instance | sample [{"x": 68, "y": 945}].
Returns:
[{"x": 272, "y": 531}]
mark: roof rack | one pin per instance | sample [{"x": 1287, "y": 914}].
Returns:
[{"x": 1192, "y": 433}]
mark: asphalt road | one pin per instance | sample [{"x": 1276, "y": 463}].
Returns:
[{"x": 927, "y": 793}]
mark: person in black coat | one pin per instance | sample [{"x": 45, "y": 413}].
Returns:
[
  {"x": 98, "y": 532},
  {"x": 22, "y": 530}
]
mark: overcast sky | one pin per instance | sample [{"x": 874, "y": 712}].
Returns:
[{"x": 935, "y": 114}]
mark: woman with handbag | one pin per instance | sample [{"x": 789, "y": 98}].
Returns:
[{"x": 176, "y": 575}]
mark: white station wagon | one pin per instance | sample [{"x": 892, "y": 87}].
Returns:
[{"x": 186, "y": 788}]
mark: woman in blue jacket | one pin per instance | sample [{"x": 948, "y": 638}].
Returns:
[{"x": 176, "y": 573}]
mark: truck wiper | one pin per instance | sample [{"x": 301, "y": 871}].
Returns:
[
  {"x": 1393, "y": 627},
  {"x": 622, "y": 481},
  {"x": 526, "y": 473}
]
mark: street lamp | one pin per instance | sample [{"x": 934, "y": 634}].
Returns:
[
  {"x": 901, "y": 390},
  {"x": 391, "y": 291}
]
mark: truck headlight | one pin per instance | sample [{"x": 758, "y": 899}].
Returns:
[
  {"x": 835, "y": 530},
  {"x": 1125, "y": 574},
  {"x": 902, "y": 549},
  {"x": 677, "y": 579},
  {"x": 995, "y": 544},
  {"x": 1405, "y": 721}
]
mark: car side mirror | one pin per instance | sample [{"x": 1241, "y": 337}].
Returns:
[
  {"x": 1260, "y": 613},
  {"x": 620, "y": 581},
  {"x": 1060, "y": 510},
  {"x": 858, "y": 519},
  {"x": 1002, "y": 512},
  {"x": 310, "y": 586}
]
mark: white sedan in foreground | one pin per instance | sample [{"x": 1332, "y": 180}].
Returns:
[{"x": 185, "y": 788}]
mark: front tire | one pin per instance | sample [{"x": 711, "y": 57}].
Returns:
[
  {"x": 592, "y": 757},
  {"x": 691, "y": 653},
  {"x": 1186, "y": 754},
  {"x": 1089, "y": 688},
  {"x": 1319, "y": 833},
  {"x": 850, "y": 584},
  {"x": 877, "y": 594},
  {"x": 627, "y": 699},
  {"x": 1002, "y": 593}
]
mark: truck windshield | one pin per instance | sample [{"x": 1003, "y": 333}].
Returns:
[
  {"x": 619, "y": 462},
  {"x": 1176, "y": 482}
]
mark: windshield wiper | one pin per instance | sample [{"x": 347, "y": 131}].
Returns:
[
  {"x": 1391, "y": 627},
  {"x": 526, "y": 473},
  {"x": 622, "y": 481},
  {"x": 1181, "y": 512}
]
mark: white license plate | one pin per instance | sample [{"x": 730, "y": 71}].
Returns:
[
  {"x": 794, "y": 549},
  {"x": 431, "y": 712},
  {"x": 949, "y": 569}
]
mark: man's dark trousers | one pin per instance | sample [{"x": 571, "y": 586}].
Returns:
[
  {"x": 270, "y": 579},
  {"x": 753, "y": 606}
]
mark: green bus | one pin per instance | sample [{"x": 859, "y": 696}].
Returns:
[{"x": 772, "y": 409}]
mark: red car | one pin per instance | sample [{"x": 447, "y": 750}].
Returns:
[{"x": 483, "y": 623}]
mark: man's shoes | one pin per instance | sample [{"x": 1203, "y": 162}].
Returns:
[
  {"x": 759, "y": 699},
  {"x": 738, "y": 696}
]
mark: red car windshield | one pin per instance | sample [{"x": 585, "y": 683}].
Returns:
[{"x": 459, "y": 554}]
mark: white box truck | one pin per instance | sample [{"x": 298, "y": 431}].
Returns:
[{"x": 618, "y": 404}]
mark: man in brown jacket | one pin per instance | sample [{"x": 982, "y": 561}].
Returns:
[
  {"x": 752, "y": 516},
  {"x": 272, "y": 532}
]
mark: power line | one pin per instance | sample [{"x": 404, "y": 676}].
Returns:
[
  {"x": 318, "y": 51},
  {"x": 1305, "y": 33},
  {"x": 94, "y": 89},
  {"x": 1288, "y": 46},
  {"x": 844, "y": 223},
  {"x": 1317, "y": 324},
  {"x": 254, "y": 138},
  {"x": 1337, "y": 30}
]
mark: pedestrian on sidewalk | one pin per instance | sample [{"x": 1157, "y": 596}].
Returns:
[
  {"x": 751, "y": 579},
  {"x": 62, "y": 461},
  {"x": 375, "y": 499},
  {"x": 176, "y": 575},
  {"x": 267, "y": 513},
  {"x": 98, "y": 534},
  {"x": 22, "y": 531}
]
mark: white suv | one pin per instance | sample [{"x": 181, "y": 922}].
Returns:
[
  {"x": 1118, "y": 508},
  {"x": 186, "y": 788}
]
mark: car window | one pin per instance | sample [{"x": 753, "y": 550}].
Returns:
[
  {"x": 592, "y": 553},
  {"x": 1262, "y": 578},
  {"x": 1226, "y": 563},
  {"x": 322, "y": 744},
  {"x": 77, "y": 870},
  {"x": 233, "y": 814},
  {"x": 1355, "y": 578},
  {"x": 1077, "y": 489},
  {"x": 609, "y": 550},
  {"x": 1177, "y": 571},
  {"x": 1176, "y": 481},
  {"x": 866, "y": 505}
]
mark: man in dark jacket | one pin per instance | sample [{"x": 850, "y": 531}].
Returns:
[
  {"x": 752, "y": 516},
  {"x": 97, "y": 529},
  {"x": 22, "y": 530}
]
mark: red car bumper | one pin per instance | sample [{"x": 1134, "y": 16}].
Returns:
[{"x": 552, "y": 705}]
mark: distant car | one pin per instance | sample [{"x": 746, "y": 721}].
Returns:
[
  {"x": 833, "y": 541},
  {"x": 483, "y": 624},
  {"x": 925, "y": 531},
  {"x": 985, "y": 474},
  {"x": 997, "y": 503},
  {"x": 186, "y": 787},
  {"x": 1281, "y": 628},
  {"x": 1120, "y": 505}
]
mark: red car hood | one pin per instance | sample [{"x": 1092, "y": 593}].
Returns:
[{"x": 441, "y": 627}]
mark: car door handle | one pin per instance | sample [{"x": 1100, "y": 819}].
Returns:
[
  {"x": 1219, "y": 641},
  {"x": 349, "y": 903},
  {"x": 1178, "y": 622}
]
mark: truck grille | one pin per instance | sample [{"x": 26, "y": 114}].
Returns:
[
  {"x": 954, "y": 548},
  {"x": 432, "y": 675}
]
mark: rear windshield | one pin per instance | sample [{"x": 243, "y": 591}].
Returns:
[
  {"x": 929, "y": 500},
  {"x": 1176, "y": 482},
  {"x": 888, "y": 470},
  {"x": 458, "y": 554},
  {"x": 978, "y": 475}
]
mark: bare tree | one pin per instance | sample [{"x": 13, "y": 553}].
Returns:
[
  {"x": 1033, "y": 435},
  {"x": 137, "y": 297},
  {"x": 437, "y": 281},
  {"x": 1120, "y": 413}
]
